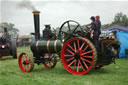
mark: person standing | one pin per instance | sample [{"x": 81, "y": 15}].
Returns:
[
  {"x": 95, "y": 32},
  {"x": 98, "y": 22}
]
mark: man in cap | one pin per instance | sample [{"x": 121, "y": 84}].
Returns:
[
  {"x": 95, "y": 32},
  {"x": 93, "y": 25}
]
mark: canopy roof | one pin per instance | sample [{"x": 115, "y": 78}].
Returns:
[{"x": 116, "y": 28}]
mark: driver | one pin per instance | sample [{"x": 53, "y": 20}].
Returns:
[{"x": 95, "y": 32}]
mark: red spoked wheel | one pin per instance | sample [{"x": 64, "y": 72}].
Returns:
[
  {"x": 51, "y": 62},
  {"x": 78, "y": 56},
  {"x": 26, "y": 62}
]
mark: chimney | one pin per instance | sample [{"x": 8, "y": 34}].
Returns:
[
  {"x": 36, "y": 24},
  {"x": 5, "y": 30}
]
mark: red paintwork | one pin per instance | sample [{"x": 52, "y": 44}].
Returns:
[
  {"x": 51, "y": 61},
  {"x": 24, "y": 58},
  {"x": 3, "y": 54},
  {"x": 5, "y": 47},
  {"x": 74, "y": 65}
]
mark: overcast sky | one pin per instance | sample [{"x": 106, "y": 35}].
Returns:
[{"x": 55, "y": 12}]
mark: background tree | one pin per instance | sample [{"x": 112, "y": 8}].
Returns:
[
  {"x": 106, "y": 26},
  {"x": 13, "y": 32},
  {"x": 119, "y": 19}
]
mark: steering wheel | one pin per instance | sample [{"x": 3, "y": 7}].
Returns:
[{"x": 70, "y": 29}]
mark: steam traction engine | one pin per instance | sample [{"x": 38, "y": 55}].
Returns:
[
  {"x": 73, "y": 44},
  {"x": 8, "y": 46}
]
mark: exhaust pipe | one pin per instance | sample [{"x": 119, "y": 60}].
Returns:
[
  {"x": 36, "y": 24},
  {"x": 5, "y": 30}
]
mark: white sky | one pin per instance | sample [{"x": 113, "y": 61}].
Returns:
[{"x": 55, "y": 12}]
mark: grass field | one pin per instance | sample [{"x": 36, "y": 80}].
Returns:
[{"x": 10, "y": 74}]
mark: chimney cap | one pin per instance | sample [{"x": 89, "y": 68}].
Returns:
[{"x": 36, "y": 12}]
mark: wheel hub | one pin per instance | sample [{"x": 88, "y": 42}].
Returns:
[
  {"x": 26, "y": 62},
  {"x": 77, "y": 55}
]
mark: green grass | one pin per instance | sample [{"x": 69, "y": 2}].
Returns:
[{"x": 10, "y": 74}]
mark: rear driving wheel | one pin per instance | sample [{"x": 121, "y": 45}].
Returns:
[
  {"x": 14, "y": 48},
  {"x": 26, "y": 62},
  {"x": 78, "y": 56}
]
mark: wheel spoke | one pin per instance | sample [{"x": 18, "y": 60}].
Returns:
[
  {"x": 75, "y": 28},
  {"x": 23, "y": 59},
  {"x": 26, "y": 56},
  {"x": 25, "y": 67},
  {"x": 75, "y": 46},
  {"x": 70, "y": 59},
  {"x": 71, "y": 47},
  {"x": 81, "y": 65},
  {"x": 70, "y": 51},
  {"x": 69, "y": 26},
  {"x": 68, "y": 55},
  {"x": 71, "y": 63},
  {"x": 65, "y": 32},
  {"x": 28, "y": 66},
  {"x": 86, "y": 52},
  {"x": 78, "y": 66},
  {"x": 78, "y": 44},
  {"x": 86, "y": 60},
  {"x": 85, "y": 48},
  {"x": 82, "y": 46},
  {"x": 87, "y": 56},
  {"x": 29, "y": 60},
  {"x": 74, "y": 65},
  {"x": 85, "y": 64}
]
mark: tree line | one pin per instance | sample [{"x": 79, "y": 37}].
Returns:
[
  {"x": 119, "y": 19},
  {"x": 12, "y": 31}
]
